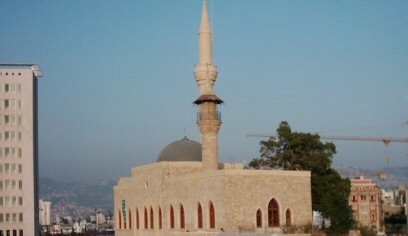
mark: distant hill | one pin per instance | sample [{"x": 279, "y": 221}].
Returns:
[
  {"x": 395, "y": 176},
  {"x": 400, "y": 171},
  {"x": 79, "y": 198}
]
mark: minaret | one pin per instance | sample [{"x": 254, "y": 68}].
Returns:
[{"x": 208, "y": 117}]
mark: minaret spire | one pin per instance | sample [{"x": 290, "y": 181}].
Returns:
[
  {"x": 205, "y": 37},
  {"x": 208, "y": 118}
]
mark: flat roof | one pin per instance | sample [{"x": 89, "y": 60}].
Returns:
[{"x": 34, "y": 67}]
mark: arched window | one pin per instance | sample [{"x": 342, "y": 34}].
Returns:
[
  {"x": 137, "y": 218},
  {"x": 212, "y": 216},
  {"x": 130, "y": 218},
  {"x": 273, "y": 213},
  {"x": 146, "y": 224},
  {"x": 199, "y": 216},
  {"x": 182, "y": 219},
  {"x": 171, "y": 217},
  {"x": 120, "y": 219},
  {"x": 259, "y": 218},
  {"x": 160, "y": 219},
  {"x": 288, "y": 218},
  {"x": 151, "y": 218}
]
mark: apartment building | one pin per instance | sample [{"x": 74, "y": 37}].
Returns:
[
  {"x": 365, "y": 199},
  {"x": 18, "y": 149}
]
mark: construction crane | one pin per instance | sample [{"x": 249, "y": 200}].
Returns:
[{"x": 385, "y": 140}]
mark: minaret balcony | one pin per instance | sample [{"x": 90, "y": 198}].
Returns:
[{"x": 209, "y": 116}]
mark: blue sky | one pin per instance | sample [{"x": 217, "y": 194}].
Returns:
[{"x": 119, "y": 86}]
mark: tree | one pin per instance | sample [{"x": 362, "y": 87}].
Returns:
[{"x": 304, "y": 151}]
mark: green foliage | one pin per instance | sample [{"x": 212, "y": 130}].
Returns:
[
  {"x": 366, "y": 231},
  {"x": 304, "y": 151}
]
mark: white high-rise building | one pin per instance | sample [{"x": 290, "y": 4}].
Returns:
[
  {"x": 18, "y": 150},
  {"x": 45, "y": 212}
]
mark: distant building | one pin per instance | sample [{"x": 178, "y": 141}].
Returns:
[
  {"x": 45, "y": 212},
  {"x": 382, "y": 175},
  {"x": 188, "y": 192},
  {"x": 399, "y": 195},
  {"x": 387, "y": 197},
  {"x": 18, "y": 150},
  {"x": 394, "y": 201},
  {"x": 365, "y": 199},
  {"x": 101, "y": 219}
]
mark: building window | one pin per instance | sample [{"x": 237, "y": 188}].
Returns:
[
  {"x": 199, "y": 216},
  {"x": 182, "y": 219},
  {"x": 137, "y": 218},
  {"x": 130, "y": 218},
  {"x": 273, "y": 214},
  {"x": 288, "y": 218},
  {"x": 171, "y": 217},
  {"x": 120, "y": 219},
  {"x": 145, "y": 219},
  {"x": 21, "y": 233},
  {"x": 259, "y": 218},
  {"x": 160, "y": 219},
  {"x": 212, "y": 216},
  {"x": 151, "y": 218}
]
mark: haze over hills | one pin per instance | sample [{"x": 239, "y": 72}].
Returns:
[{"x": 81, "y": 198}]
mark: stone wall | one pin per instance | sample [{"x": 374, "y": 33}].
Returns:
[{"x": 236, "y": 194}]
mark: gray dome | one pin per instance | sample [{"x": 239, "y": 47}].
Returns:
[{"x": 182, "y": 150}]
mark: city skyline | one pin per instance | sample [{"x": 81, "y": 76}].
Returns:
[{"x": 120, "y": 81}]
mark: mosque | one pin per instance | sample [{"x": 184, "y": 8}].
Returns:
[{"x": 188, "y": 192}]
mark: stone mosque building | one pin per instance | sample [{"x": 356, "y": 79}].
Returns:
[{"x": 188, "y": 192}]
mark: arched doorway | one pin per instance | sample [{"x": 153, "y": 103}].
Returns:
[{"x": 273, "y": 213}]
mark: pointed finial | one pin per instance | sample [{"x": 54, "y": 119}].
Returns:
[
  {"x": 205, "y": 26},
  {"x": 205, "y": 37}
]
